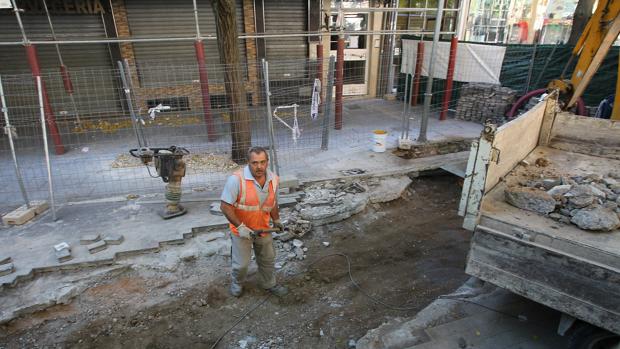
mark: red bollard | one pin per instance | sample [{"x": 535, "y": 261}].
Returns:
[
  {"x": 33, "y": 61},
  {"x": 66, "y": 79},
  {"x": 447, "y": 95},
  {"x": 419, "y": 60},
  {"x": 339, "y": 83},
  {"x": 204, "y": 88},
  {"x": 319, "y": 68}
]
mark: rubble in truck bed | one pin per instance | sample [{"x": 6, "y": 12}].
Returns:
[{"x": 591, "y": 202}]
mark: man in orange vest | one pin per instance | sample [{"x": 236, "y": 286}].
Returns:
[{"x": 249, "y": 202}]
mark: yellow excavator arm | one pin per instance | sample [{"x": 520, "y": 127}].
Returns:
[{"x": 594, "y": 43}]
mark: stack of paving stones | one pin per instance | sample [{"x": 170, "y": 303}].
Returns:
[
  {"x": 590, "y": 202},
  {"x": 480, "y": 102}
]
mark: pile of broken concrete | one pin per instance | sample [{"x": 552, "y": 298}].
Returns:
[{"x": 590, "y": 202}]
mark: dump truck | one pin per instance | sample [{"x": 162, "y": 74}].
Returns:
[{"x": 555, "y": 263}]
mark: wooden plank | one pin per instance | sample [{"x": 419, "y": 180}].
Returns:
[
  {"x": 548, "y": 118},
  {"x": 585, "y": 135},
  {"x": 560, "y": 281},
  {"x": 513, "y": 142}
]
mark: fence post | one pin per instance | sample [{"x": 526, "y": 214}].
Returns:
[
  {"x": 45, "y": 147},
  {"x": 429, "y": 82},
  {"x": 9, "y": 129},
  {"x": 272, "y": 141},
  {"x": 339, "y": 82},
  {"x": 319, "y": 69},
  {"x": 327, "y": 106},
  {"x": 137, "y": 129},
  {"x": 447, "y": 96}
]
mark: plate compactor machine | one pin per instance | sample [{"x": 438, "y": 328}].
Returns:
[{"x": 170, "y": 167}]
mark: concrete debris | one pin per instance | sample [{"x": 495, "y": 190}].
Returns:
[
  {"x": 215, "y": 209},
  {"x": 388, "y": 189},
  {"x": 596, "y": 218},
  {"x": 89, "y": 239},
  {"x": 189, "y": 255},
  {"x": 114, "y": 239},
  {"x": 6, "y": 269},
  {"x": 587, "y": 201},
  {"x": 353, "y": 188},
  {"x": 298, "y": 243},
  {"x": 97, "y": 246},
  {"x": 530, "y": 199},
  {"x": 580, "y": 196},
  {"x": 339, "y": 209},
  {"x": 326, "y": 243},
  {"x": 559, "y": 190},
  {"x": 482, "y": 102},
  {"x": 351, "y": 344}
]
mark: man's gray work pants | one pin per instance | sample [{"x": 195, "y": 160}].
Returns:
[{"x": 265, "y": 259}]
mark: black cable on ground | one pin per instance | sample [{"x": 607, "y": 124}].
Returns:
[{"x": 258, "y": 304}]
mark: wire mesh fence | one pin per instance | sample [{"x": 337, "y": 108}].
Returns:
[
  {"x": 95, "y": 127},
  {"x": 97, "y": 123}
]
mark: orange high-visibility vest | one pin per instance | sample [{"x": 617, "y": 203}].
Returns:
[{"x": 248, "y": 208}]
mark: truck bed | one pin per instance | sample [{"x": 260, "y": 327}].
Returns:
[{"x": 556, "y": 264}]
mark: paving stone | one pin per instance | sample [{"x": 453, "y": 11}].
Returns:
[
  {"x": 89, "y": 239},
  {"x": 64, "y": 255},
  {"x": 61, "y": 246},
  {"x": 97, "y": 246},
  {"x": 596, "y": 218},
  {"x": 114, "y": 239},
  {"x": 19, "y": 216},
  {"x": 5, "y": 259},
  {"x": 6, "y": 269},
  {"x": 530, "y": 199}
]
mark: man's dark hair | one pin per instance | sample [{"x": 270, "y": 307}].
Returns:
[{"x": 257, "y": 150}]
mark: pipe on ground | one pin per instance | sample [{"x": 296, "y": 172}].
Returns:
[{"x": 581, "y": 107}]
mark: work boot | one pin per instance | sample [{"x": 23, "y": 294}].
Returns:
[
  {"x": 278, "y": 290},
  {"x": 236, "y": 289}
]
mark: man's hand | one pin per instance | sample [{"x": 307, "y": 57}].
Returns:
[
  {"x": 244, "y": 231},
  {"x": 278, "y": 224}
]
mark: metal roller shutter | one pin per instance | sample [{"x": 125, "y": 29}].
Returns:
[
  {"x": 95, "y": 87},
  {"x": 286, "y": 16},
  {"x": 163, "y": 18}
]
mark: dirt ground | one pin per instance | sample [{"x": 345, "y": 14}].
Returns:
[{"x": 406, "y": 252}]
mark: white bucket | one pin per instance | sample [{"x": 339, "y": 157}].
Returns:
[{"x": 378, "y": 139}]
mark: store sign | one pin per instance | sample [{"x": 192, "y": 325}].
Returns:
[{"x": 62, "y": 7}]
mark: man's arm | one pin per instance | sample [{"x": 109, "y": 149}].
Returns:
[
  {"x": 275, "y": 213},
  {"x": 229, "y": 212}
]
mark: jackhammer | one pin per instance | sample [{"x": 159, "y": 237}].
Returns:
[{"x": 171, "y": 168}]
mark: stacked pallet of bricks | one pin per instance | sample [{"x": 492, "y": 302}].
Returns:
[{"x": 480, "y": 102}]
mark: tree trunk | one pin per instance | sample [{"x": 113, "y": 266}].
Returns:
[
  {"x": 582, "y": 14},
  {"x": 226, "y": 23}
]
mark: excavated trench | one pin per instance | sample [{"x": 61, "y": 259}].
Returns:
[{"x": 405, "y": 252}]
